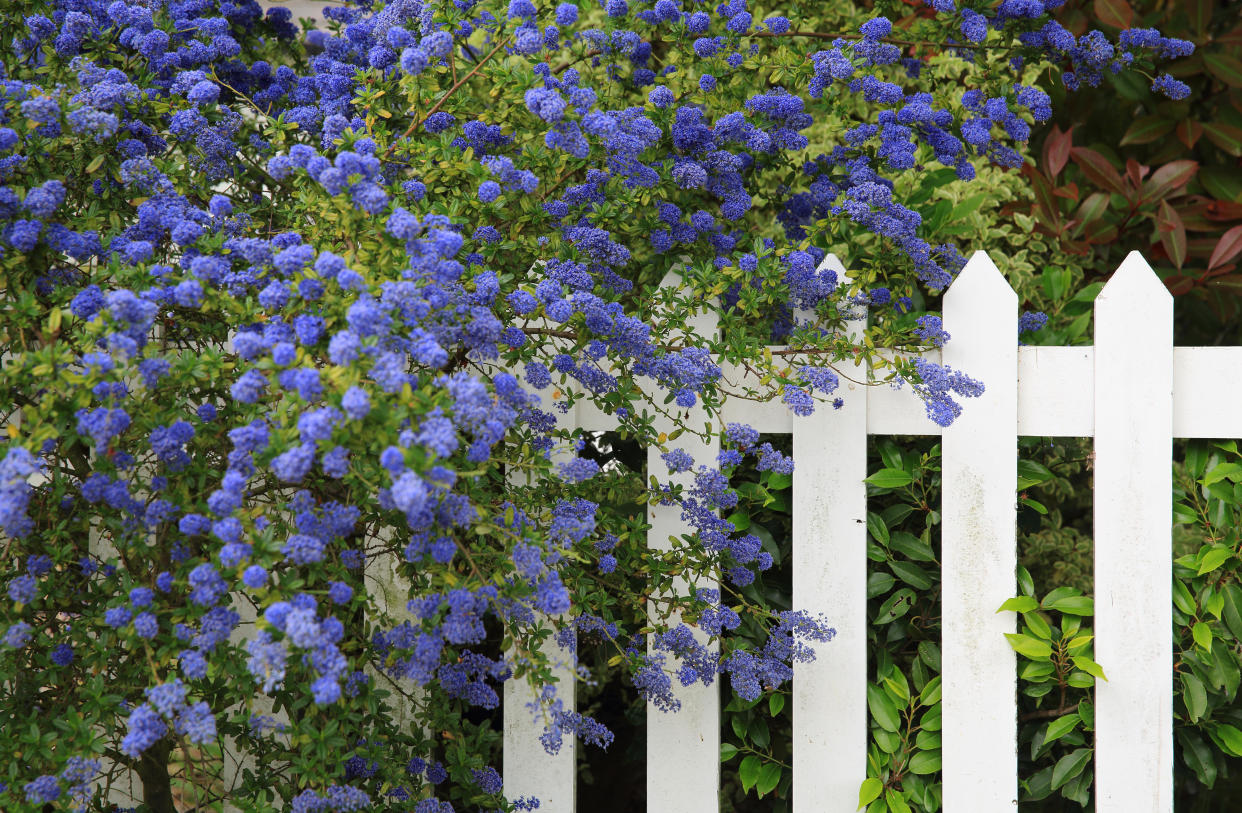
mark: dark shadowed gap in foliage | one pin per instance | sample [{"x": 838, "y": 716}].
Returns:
[
  {"x": 613, "y": 780},
  {"x": 756, "y": 735},
  {"x": 1055, "y": 581},
  {"x": 903, "y": 616}
]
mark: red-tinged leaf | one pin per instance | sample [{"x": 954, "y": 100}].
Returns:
[
  {"x": 1097, "y": 168},
  {"x": 1198, "y": 249},
  {"x": 1185, "y": 68},
  {"x": 1228, "y": 247},
  {"x": 1188, "y": 132},
  {"x": 1148, "y": 129},
  {"x": 1057, "y": 150},
  {"x": 1179, "y": 285},
  {"x": 1100, "y": 232},
  {"x": 1116, "y": 13},
  {"x": 1135, "y": 172},
  {"x": 1069, "y": 191},
  {"x": 1172, "y": 233},
  {"x": 1094, "y": 206},
  {"x": 1225, "y": 67},
  {"x": 1229, "y": 281},
  {"x": 1225, "y": 210},
  {"x": 1225, "y": 136},
  {"x": 1173, "y": 175},
  {"x": 1043, "y": 193}
]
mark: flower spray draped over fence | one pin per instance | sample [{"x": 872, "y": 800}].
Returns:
[{"x": 284, "y": 310}]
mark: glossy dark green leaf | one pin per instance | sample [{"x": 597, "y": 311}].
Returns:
[
  {"x": 769, "y": 778},
  {"x": 883, "y": 711},
  {"x": 1069, "y": 766},
  {"x": 890, "y": 478},
  {"x": 1194, "y": 695}
]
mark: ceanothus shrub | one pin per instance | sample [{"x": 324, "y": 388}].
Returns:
[{"x": 287, "y": 312}]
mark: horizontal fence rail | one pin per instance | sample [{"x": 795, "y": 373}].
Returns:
[{"x": 1133, "y": 392}]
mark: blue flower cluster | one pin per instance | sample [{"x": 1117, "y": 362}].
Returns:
[{"x": 283, "y": 309}]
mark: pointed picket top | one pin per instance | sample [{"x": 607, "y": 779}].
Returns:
[
  {"x": 979, "y": 546},
  {"x": 980, "y": 281},
  {"x": 832, "y": 262},
  {"x": 1133, "y": 530},
  {"x": 1132, "y": 283}
]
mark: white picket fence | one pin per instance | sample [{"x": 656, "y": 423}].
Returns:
[{"x": 1133, "y": 392}]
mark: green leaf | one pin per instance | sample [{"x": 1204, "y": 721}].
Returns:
[
  {"x": 727, "y": 751},
  {"x": 1020, "y": 604},
  {"x": 896, "y": 802},
  {"x": 929, "y": 653},
  {"x": 1031, "y": 473},
  {"x": 912, "y": 575},
  {"x": 1061, "y": 592},
  {"x": 931, "y": 692},
  {"x": 1089, "y": 666},
  {"x": 883, "y": 711},
  {"x": 1194, "y": 695},
  {"x": 1231, "y": 610},
  {"x": 895, "y": 606},
  {"x": 1026, "y": 585},
  {"x": 1147, "y": 129},
  {"x": 925, "y": 762},
  {"x": 879, "y": 583},
  {"x": 1075, "y": 605},
  {"x": 1202, "y": 634},
  {"x": 877, "y": 528},
  {"x": 1118, "y": 14},
  {"x": 1038, "y": 625},
  {"x": 890, "y": 478},
  {"x": 911, "y": 546},
  {"x": 1182, "y": 599},
  {"x": 1061, "y": 726},
  {"x": 1197, "y": 755},
  {"x": 1213, "y": 558},
  {"x": 1183, "y": 514},
  {"x": 1086, "y": 710},
  {"x": 869, "y": 792},
  {"x": 1230, "y": 739},
  {"x": 1222, "y": 471},
  {"x": 1030, "y": 647},
  {"x": 748, "y": 772},
  {"x": 1224, "y": 66},
  {"x": 769, "y": 778},
  {"x": 1225, "y": 136},
  {"x": 1069, "y": 766},
  {"x": 775, "y": 703}
]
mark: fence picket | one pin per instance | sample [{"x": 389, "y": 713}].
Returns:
[
  {"x": 978, "y": 546},
  {"x": 683, "y": 748},
  {"x": 1133, "y": 541},
  {"x": 830, "y": 577},
  {"x": 526, "y": 768}
]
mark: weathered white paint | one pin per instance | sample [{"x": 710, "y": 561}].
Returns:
[
  {"x": 978, "y": 546},
  {"x": 1133, "y": 542},
  {"x": 683, "y": 748},
  {"x": 830, "y": 578}
]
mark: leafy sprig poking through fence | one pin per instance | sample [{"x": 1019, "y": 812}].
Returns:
[{"x": 277, "y": 309}]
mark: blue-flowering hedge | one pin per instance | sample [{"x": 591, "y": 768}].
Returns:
[{"x": 288, "y": 316}]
